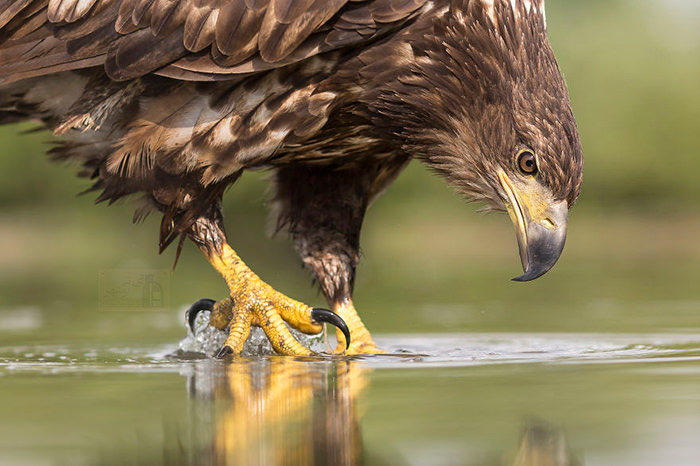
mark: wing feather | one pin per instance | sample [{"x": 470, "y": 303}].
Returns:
[
  {"x": 237, "y": 30},
  {"x": 278, "y": 39},
  {"x": 9, "y": 9},
  {"x": 288, "y": 11},
  {"x": 141, "y": 13},
  {"x": 68, "y": 11},
  {"x": 200, "y": 28},
  {"x": 92, "y": 45},
  {"x": 168, "y": 15},
  {"x": 24, "y": 24},
  {"x": 125, "y": 23},
  {"x": 141, "y": 53},
  {"x": 100, "y": 17},
  {"x": 394, "y": 10},
  {"x": 185, "y": 39}
]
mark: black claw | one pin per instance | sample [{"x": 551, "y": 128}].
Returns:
[
  {"x": 224, "y": 351},
  {"x": 324, "y": 315},
  {"x": 205, "y": 304}
]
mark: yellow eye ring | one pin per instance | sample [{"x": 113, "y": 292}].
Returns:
[{"x": 526, "y": 162}]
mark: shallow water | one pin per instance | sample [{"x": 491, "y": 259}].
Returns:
[
  {"x": 526, "y": 399},
  {"x": 596, "y": 364}
]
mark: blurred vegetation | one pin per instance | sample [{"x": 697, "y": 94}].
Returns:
[{"x": 632, "y": 67}]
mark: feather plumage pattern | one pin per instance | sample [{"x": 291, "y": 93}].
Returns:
[
  {"x": 229, "y": 35},
  {"x": 68, "y": 11},
  {"x": 172, "y": 100}
]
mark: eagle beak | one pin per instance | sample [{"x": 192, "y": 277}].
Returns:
[{"x": 540, "y": 225}]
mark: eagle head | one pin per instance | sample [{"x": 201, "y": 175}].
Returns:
[{"x": 482, "y": 102}]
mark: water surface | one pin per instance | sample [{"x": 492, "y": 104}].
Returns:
[{"x": 472, "y": 399}]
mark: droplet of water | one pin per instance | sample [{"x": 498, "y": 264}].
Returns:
[{"x": 208, "y": 340}]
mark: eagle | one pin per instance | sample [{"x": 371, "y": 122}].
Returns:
[{"x": 171, "y": 101}]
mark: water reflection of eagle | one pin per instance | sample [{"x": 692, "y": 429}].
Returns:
[
  {"x": 175, "y": 99},
  {"x": 285, "y": 412},
  {"x": 279, "y": 412}
]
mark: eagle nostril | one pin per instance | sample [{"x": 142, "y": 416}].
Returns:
[{"x": 549, "y": 223}]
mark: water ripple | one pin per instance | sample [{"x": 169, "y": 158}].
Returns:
[{"x": 405, "y": 351}]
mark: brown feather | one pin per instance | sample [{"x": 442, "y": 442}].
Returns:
[
  {"x": 123, "y": 23},
  {"x": 289, "y": 11},
  {"x": 225, "y": 38},
  {"x": 278, "y": 40},
  {"x": 141, "y": 13},
  {"x": 169, "y": 15},
  {"x": 236, "y": 33},
  {"x": 93, "y": 44},
  {"x": 98, "y": 18},
  {"x": 141, "y": 52},
  {"x": 11, "y": 9},
  {"x": 200, "y": 27},
  {"x": 23, "y": 28},
  {"x": 395, "y": 10},
  {"x": 68, "y": 11}
]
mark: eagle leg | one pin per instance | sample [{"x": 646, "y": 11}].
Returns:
[
  {"x": 362, "y": 342},
  {"x": 322, "y": 209},
  {"x": 254, "y": 302}
]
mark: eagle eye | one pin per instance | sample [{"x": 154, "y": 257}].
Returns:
[{"x": 527, "y": 163}]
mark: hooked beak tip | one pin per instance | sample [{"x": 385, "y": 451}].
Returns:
[
  {"x": 531, "y": 275},
  {"x": 542, "y": 251}
]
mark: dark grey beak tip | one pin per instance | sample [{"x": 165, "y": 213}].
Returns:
[
  {"x": 530, "y": 276},
  {"x": 542, "y": 252}
]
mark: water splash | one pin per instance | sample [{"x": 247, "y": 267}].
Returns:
[{"x": 207, "y": 340}]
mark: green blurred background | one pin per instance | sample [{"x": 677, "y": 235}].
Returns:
[{"x": 430, "y": 263}]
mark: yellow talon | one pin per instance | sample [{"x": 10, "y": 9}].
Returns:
[{"x": 254, "y": 302}]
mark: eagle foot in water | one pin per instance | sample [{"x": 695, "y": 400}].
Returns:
[
  {"x": 254, "y": 302},
  {"x": 225, "y": 314},
  {"x": 362, "y": 342}
]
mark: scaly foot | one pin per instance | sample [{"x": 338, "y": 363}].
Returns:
[
  {"x": 254, "y": 302},
  {"x": 361, "y": 341},
  {"x": 270, "y": 311}
]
